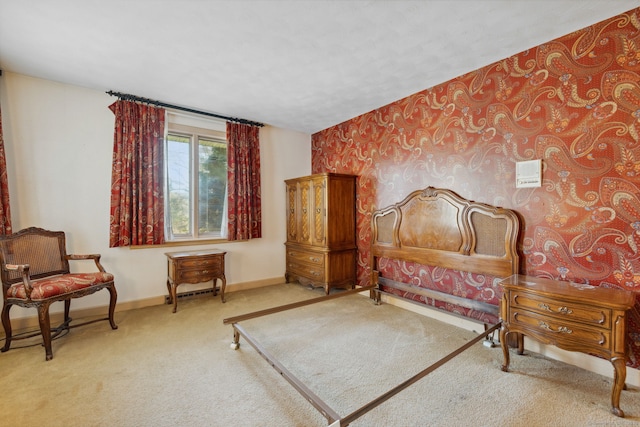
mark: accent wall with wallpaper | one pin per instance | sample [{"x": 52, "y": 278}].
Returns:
[{"x": 573, "y": 102}]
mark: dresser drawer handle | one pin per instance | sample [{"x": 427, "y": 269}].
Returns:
[
  {"x": 562, "y": 310},
  {"x": 314, "y": 259},
  {"x": 561, "y": 329},
  {"x": 205, "y": 271}
]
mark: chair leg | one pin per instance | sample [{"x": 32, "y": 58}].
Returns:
[
  {"x": 67, "y": 306},
  {"x": 45, "y": 328},
  {"x": 112, "y": 305},
  {"x": 6, "y": 322}
]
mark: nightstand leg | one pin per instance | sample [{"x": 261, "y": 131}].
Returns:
[
  {"x": 505, "y": 348},
  {"x": 174, "y": 297},
  {"x": 619, "y": 377},
  {"x": 520, "y": 341},
  {"x": 222, "y": 287},
  {"x": 169, "y": 291}
]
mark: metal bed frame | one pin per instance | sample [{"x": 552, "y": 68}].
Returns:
[{"x": 334, "y": 419}]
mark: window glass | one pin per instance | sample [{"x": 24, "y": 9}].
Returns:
[
  {"x": 212, "y": 185},
  {"x": 179, "y": 184},
  {"x": 196, "y": 181}
]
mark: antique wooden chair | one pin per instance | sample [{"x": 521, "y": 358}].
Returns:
[{"x": 34, "y": 269}]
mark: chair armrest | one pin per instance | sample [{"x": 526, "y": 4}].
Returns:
[
  {"x": 26, "y": 278},
  {"x": 94, "y": 257}
]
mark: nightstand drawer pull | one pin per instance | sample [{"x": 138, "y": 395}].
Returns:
[
  {"x": 545, "y": 307},
  {"x": 565, "y": 310},
  {"x": 561, "y": 329},
  {"x": 561, "y": 310}
]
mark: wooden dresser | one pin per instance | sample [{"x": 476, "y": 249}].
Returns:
[
  {"x": 194, "y": 267},
  {"x": 321, "y": 230},
  {"x": 574, "y": 317}
]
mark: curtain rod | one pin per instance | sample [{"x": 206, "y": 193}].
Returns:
[{"x": 127, "y": 97}]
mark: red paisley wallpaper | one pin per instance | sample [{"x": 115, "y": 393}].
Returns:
[{"x": 573, "y": 102}]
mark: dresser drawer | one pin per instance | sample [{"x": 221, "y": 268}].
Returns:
[
  {"x": 564, "y": 334},
  {"x": 306, "y": 257},
  {"x": 597, "y": 316}
]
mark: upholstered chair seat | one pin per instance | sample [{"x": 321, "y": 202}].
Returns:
[{"x": 58, "y": 285}]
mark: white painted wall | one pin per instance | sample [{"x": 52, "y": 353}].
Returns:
[{"x": 59, "y": 140}]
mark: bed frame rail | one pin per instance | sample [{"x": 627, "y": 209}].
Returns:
[
  {"x": 311, "y": 397},
  {"x": 436, "y": 295}
]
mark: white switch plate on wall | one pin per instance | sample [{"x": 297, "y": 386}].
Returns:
[{"x": 529, "y": 174}]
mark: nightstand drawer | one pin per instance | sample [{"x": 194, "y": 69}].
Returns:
[
  {"x": 196, "y": 276},
  {"x": 597, "y": 316},
  {"x": 559, "y": 332},
  {"x": 213, "y": 263}
]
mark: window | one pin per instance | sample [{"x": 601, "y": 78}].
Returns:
[{"x": 196, "y": 179}]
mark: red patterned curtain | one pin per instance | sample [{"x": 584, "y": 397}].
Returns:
[
  {"x": 243, "y": 181},
  {"x": 137, "y": 196},
  {"x": 5, "y": 211}
]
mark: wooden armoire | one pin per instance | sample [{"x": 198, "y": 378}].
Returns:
[{"x": 321, "y": 230}]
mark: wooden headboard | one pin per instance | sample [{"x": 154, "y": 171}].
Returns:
[{"x": 436, "y": 227}]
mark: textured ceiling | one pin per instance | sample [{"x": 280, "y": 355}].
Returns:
[{"x": 300, "y": 65}]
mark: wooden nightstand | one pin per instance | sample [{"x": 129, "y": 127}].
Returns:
[
  {"x": 194, "y": 267},
  {"x": 572, "y": 316}
]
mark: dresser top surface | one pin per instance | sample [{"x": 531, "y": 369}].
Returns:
[
  {"x": 196, "y": 253},
  {"x": 581, "y": 292}
]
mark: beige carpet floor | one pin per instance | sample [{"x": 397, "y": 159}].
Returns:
[{"x": 164, "y": 369}]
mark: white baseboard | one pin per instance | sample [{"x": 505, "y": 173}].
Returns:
[{"x": 581, "y": 360}]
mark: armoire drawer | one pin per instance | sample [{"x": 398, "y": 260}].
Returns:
[
  {"x": 307, "y": 257},
  {"x": 315, "y": 273}
]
